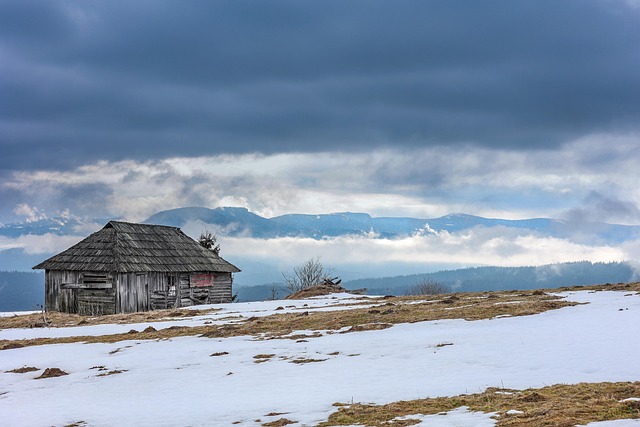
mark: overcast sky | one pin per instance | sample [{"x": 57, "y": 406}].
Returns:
[{"x": 507, "y": 108}]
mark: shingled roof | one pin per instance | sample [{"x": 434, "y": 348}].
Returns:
[{"x": 123, "y": 247}]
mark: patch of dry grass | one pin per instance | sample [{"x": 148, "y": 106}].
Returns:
[
  {"x": 52, "y": 373},
  {"x": 61, "y": 320},
  {"x": 114, "y": 372},
  {"x": 261, "y": 358},
  {"x": 443, "y": 344},
  {"x": 304, "y": 360},
  {"x": 367, "y": 327},
  {"x": 633, "y": 287},
  {"x": 23, "y": 370},
  {"x": 316, "y": 291},
  {"x": 391, "y": 311},
  {"x": 557, "y": 406},
  {"x": 399, "y": 310},
  {"x": 119, "y": 349},
  {"x": 279, "y": 423},
  {"x": 8, "y": 345}
]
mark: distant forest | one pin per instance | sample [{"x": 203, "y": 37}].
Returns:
[
  {"x": 20, "y": 291},
  {"x": 25, "y": 290},
  {"x": 505, "y": 278},
  {"x": 477, "y": 279}
]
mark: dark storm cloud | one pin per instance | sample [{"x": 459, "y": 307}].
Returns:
[
  {"x": 602, "y": 207},
  {"x": 82, "y": 81},
  {"x": 91, "y": 200}
]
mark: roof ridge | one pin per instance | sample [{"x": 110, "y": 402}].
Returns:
[{"x": 138, "y": 224}]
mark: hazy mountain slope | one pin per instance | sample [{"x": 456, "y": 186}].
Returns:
[
  {"x": 56, "y": 225},
  {"x": 239, "y": 221},
  {"x": 233, "y": 221}
]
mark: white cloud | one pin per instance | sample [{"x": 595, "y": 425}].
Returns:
[
  {"x": 30, "y": 213},
  {"x": 474, "y": 247},
  {"x": 425, "y": 182},
  {"x": 39, "y": 244},
  {"x": 478, "y": 246}
]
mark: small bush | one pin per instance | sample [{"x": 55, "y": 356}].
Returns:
[{"x": 428, "y": 287}]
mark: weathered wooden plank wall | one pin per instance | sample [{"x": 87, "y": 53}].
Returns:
[
  {"x": 158, "y": 291},
  {"x": 96, "y": 302},
  {"x": 221, "y": 291},
  {"x": 56, "y": 298},
  {"x": 79, "y": 292},
  {"x": 184, "y": 298},
  {"x": 93, "y": 293},
  {"x": 133, "y": 290}
]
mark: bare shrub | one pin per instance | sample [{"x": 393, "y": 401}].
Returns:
[
  {"x": 305, "y": 276},
  {"x": 273, "y": 292},
  {"x": 428, "y": 287}
]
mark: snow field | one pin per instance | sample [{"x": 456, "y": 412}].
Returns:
[{"x": 177, "y": 382}]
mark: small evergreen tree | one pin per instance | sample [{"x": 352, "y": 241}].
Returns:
[{"x": 208, "y": 240}]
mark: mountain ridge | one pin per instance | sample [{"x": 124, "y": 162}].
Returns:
[
  {"x": 234, "y": 221},
  {"x": 240, "y": 222}
]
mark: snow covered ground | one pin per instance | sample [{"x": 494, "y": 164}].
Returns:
[
  {"x": 224, "y": 313},
  {"x": 16, "y": 313},
  {"x": 178, "y": 382}
]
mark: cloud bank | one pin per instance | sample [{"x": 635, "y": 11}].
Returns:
[
  {"x": 592, "y": 178},
  {"x": 479, "y": 246},
  {"x": 505, "y": 109},
  {"x": 473, "y": 248},
  {"x": 112, "y": 80}
]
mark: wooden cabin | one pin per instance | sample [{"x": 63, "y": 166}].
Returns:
[{"x": 125, "y": 268}]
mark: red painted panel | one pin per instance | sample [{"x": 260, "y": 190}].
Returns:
[{"x": 201, "y": 279}]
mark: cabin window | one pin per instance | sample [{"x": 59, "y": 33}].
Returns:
[
  {"x": 171, "y": 286},
  {"x": 94, "y": 278},
  {"x": 94, "y": 281}
]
